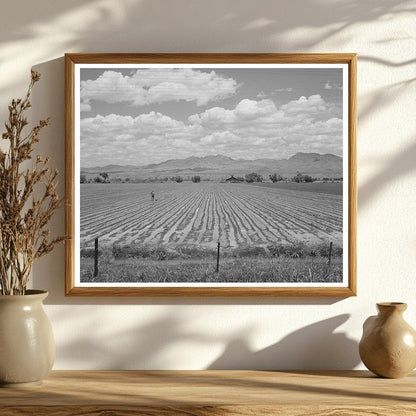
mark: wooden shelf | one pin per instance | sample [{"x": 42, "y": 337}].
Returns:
[{"x": 202, "y": 393}]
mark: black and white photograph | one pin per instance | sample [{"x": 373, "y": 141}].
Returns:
[{"x": 212, "y": 175}]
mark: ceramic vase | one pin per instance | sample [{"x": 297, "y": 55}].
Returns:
[
  {"x": 388, "y": 345},
  {"x": 27, "y": 347}
]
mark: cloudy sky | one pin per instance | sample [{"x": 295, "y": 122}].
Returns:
[{"x": 143, "y": 116}]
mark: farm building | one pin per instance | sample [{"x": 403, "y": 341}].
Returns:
[{"x": 233, "y": 179}]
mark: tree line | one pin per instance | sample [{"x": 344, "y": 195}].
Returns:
[
  {"x": 275, "y": 177},
  {"x": 103, "y": 177}
]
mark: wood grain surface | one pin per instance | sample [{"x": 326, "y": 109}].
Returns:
[{"x": 203, "y": 393}]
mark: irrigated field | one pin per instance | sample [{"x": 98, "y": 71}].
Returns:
[
  {"x": 200, "y": 214},
  {"x": 266, "y": 234}
]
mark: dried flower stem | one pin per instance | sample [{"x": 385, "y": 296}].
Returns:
[{"x": 23, "y": 217}]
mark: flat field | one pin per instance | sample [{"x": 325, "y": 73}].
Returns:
[
  {"x": 203, "y": 213},
  {"x": 334, "y": 188},
  {"x": 191, "y": 218}
]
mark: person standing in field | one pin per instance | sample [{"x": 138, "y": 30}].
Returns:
[{"x": 152, "y": 196}]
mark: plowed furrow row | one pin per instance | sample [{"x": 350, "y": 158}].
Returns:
[{"x": 202, "y": 214}]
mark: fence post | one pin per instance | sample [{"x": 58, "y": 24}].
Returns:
[
  {"x": 218, "y": 257},
  {"x": 330, "y": 254},
  {"x": 96, "y": 257}
]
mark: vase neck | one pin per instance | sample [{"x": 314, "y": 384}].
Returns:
[{"x": 390, "y": 308}]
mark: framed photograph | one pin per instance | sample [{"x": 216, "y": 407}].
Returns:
[{"x": 211, "y": 174}]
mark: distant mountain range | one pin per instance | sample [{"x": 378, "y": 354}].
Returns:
[{"x": 220, "y": 167}]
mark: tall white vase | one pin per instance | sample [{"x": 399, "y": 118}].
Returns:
[{"x": 27, "y": 347}]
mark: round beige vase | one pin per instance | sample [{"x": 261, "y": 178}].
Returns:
[
  {"x": 27, "y": 347},
  {"x": 388, "y": 345}
]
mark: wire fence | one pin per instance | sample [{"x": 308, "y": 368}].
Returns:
[{"x": 218, "y": 256}]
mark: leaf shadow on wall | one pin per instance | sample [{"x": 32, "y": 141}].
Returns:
[
  {"x": 313, "y": 347},
  {"x": 392, "y": 170},
  {"x": 139, "y": 347},
  {"x": 151, "y": 25},
  {"x": 51, "y": 28}
]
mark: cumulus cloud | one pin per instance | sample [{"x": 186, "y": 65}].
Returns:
[
  {"x": 313, "y": 104},
  {"x": 213, "y": 116},
  {"x": 149, "y": 86},
  {"x": 85, "y": 106},
  {"x": 329, "y": 86},
  {"x": 246, "y": 112},
  {"x": 252, "y": 129},
  {"x": 133, "y": 140},
  {"x": 220, "y": 137},
  {"x": 251, "y": 109}
]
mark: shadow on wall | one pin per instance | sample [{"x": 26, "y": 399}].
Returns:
[
  {"x": 314, "y": 347},
  {"x": 150, "y": 26},
  {"x": 141, "y": 347},
  {"x": 48, "y": 101},
  {"x": 392, "y": 170},
  {"x": 382, "y": 97}
]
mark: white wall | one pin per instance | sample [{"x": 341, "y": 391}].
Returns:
[{"x": 199, "y": 333}]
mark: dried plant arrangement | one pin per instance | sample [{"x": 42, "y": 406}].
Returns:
[{"x": 28, "y": 199}]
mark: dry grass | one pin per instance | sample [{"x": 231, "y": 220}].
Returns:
[
  {"x": 28, "y": 199},
  {"x": 255, "y": 265}
]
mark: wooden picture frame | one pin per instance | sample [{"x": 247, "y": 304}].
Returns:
[{"x": 142, "y": 104}]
